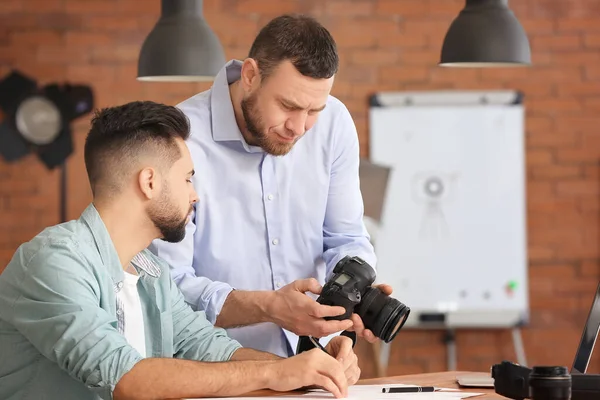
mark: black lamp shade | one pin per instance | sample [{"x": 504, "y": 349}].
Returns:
[
  {"x": 181, "y": 47},
  {"x": 486, "y": 33}
]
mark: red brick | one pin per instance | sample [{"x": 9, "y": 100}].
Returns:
[
  {"x": 538, "y": 25},
  {"x": 571, "y": 57},
  {"x": 36, "y": 38},
  {"x": 547, "y": 207},
  {"x": 589, "y": 268},
  {"x": 592, "y": 40},
  {"x": 454, "y": 75},
  {"x": 404, "y": 8},
  {"x": 579, "y": 89},
  {"x": 578, "y": 187},
  {"x": 403, "y": 74},
  {"x": 89, "y": 40},
  {"x": 42, "y": 6},
  {"x": 265, "y": 7},
  {"x": 555, "y": 42},
  {"x": 112, "y": 23},
  {"x": 558, "y": 139},
  {"x": 555, "y": 106},
  {"x": 360, "y": 8},
  {"x": 553, "y": 172},
  {"x": 591, "y": 171},
  {"x": 578, "y": 24},
  {"x": 374, "y": 57},
  {"x": 89, "y": 6}
]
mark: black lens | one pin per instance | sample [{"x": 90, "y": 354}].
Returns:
[
  {"x": 550, "y": 383},
  {"x": 382, "y": 314}
]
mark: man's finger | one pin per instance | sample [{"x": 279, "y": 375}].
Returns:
[
  {"x": 328, "y": 384},
  {"x": 385, "y": 288},
  {"x": 369, "y": 336},
  {"x": 326, "y": 328},
  {"x": 357, "y": 324},
  {"x": 306, "y": 285},
  {"x": 322, "y": 311},
  {"x": 344, "y": 350}
]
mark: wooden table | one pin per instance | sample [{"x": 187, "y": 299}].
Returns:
[{"x": 440, "y": 379}]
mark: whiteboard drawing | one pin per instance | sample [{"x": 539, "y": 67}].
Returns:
[{"x": 432, "y": 190}]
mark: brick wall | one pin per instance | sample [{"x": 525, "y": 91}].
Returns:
[{"x": 384, "y": 45}]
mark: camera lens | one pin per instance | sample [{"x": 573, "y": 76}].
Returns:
[
  {"x": 550, "y": 383},
  {"x": 382, "y": 314}
]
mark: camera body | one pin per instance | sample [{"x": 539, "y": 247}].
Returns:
[
  {"x": 351, "y": 278},
  {"x": 350, "y": 286}
]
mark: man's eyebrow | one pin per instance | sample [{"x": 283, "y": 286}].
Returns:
[{"x": 292, "y": 105}]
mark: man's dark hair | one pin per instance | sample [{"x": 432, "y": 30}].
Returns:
[
  {"x": 119, "y": 136},
  {"x": 300, "y": 39}
]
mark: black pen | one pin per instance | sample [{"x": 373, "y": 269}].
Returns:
[
  {"x": 408, "y": 389},
  {"x": 316, "y": 343}
]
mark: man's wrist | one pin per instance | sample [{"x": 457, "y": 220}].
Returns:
[{"x": 266, "y": 301}]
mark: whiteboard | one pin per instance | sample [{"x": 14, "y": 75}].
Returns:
[{"x": 452, "y": 237}]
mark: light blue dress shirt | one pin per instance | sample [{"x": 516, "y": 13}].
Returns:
[{"x": 263, "y": 221}]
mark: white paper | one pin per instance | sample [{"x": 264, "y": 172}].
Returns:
[{"x": 370, "y": 392}]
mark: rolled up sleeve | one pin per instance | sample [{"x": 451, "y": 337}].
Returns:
[
  {"x": 194, "y": 337},
  {"x": 58, "y": 310}
]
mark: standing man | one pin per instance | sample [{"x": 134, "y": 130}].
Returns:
[{"x": 279, "y": 195}]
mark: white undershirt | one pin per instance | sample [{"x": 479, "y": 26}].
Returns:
[{"x": 132, "y": 309}]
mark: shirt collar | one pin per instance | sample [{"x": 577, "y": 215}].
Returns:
[
  {"x": 224, "y": 125},
  {"x": 107, "y": 250}
]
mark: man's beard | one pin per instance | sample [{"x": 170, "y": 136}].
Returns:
[
  {"x": 168, "y": 221},
  {"x": 254, "y": 126}
]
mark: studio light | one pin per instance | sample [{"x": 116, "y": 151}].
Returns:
[
  {"x": 485, "y": 33},
  {"x": 181, "y": 47},
  {"x": 38, "y": 120}
]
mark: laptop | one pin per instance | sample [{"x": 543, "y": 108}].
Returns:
[
  {"x": 583, "y": 386},
  {"x": 588, "y": 338}
]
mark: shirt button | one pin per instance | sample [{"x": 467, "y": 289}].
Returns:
[
  {"x": 120, "y": 285},
  {"x": 275, "y": 242},
  {"x": 278, "y": 284},
  {"x": 270, "y": 197},
  {"x": 119, "y": 312}
]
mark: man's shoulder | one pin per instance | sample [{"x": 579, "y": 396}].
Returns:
[
  {"x": 63, "y": 241},
  {"x": 197, "y": 106},
  {"x": 335, "y": 106}
]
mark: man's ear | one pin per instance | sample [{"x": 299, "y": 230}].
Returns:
[
  {"x": 149, "y": 182},
  {"x": 250, "y": 75}
]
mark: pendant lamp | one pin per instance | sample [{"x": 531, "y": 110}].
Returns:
[
  {"x": 181, "y": 47},
  {"x": 485, "y": 33}
]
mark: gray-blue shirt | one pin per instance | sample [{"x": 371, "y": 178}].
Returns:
[{"x": 60, "y": 321}]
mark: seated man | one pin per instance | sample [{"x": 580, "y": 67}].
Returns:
[{"x": 87, "y": 313}]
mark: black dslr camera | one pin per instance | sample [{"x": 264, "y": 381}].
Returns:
[{"x": 350, "y": 287}]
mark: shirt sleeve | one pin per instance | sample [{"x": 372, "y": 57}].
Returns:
[
  {"x": 201, "y": 293},
  {"x": 56, "y": 307},
  {"x": 344, "y": 231},
  {"x": 194, "y": 337}
]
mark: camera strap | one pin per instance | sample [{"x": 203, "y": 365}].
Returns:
[{"x": 305, "y": 344}]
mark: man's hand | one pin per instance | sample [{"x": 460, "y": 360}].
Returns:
[
  {"x": 292, "y": 309},
  {"x": 340, "y": 347},
  {"x": 308, "y": 369},
  {"x": 357, "y": 324}
]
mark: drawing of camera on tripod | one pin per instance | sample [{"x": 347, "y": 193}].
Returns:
[{"x": 434, "y": 190}]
